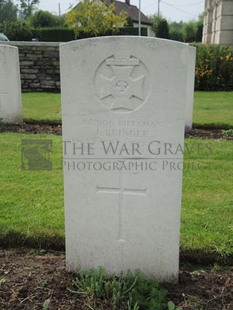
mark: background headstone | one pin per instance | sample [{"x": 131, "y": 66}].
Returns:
[
  {"x": 190, "y": 92},
  {"x": 123, "y": 111},
  {"x": 10, "y": 88}
]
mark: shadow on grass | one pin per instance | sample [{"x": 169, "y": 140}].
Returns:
[
  {"x": 14, "y": 240},
  {"x": 55, "y": 243}
]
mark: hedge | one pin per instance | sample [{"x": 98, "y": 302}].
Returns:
[
  {"x": 53, "y": 34},
  {"x": 214, "y": 68},
  {"x": 64, "y": 34}
]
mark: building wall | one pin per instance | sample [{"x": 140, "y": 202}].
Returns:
[
  {"x": 218, "y": 22},
  {"x": 39, "y": 66},
  {"x": 150, "y": 32}
]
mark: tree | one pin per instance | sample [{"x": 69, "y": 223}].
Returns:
[
  {"x": 199, "y": 28},
  {"x": 94, "y": 17},
  {"x": 45, "y": 19},
  {"x": 155, "y": 19},
  {"x": 175, "y": 31},
  {"x": 163, "y": 30},
  {"x": 189, "y": 31},
  {"x": 8, "y": 11},
  {"x": 27, "y": 7}
]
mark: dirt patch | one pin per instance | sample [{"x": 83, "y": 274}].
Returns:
[
  {"x": 39, "y": 128},
  {"x": 27, "y": 280},
  {"x": 210, "y": 133},
  {"x": 56, "y": 129}
]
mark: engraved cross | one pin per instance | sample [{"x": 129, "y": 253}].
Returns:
[{"x": 121, "y": 190}]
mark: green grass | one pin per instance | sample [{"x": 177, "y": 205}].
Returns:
[
  {"x": 41, "y": 106},
  {"x": 213, "y": 108},
  {"x": 209, "y": 107},
  {"x": 32, "y": 201},
  {"x": 207, "y": 217}
]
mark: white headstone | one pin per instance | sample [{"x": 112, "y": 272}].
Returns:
[
  {"x": 123, "y": 110},
  {"x": 10, "y": 87},
  {"x": 190, "y": 92}
]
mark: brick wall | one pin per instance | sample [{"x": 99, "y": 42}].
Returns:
[{"x": 39, "y": 66}]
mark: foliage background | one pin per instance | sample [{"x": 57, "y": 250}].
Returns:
[{"x": 214, "y": 68}]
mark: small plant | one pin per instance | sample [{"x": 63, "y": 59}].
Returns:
[
  {"x": 217, "y": 267},
  {"x": 171, "y": 306},
  {"x": 46, "y": 304},
  {"x": 2, "y": 281},
  {"x": 130, "y": 292},
  {"x": 228, "y": 132}
]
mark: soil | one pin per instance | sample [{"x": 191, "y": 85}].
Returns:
[
  {"x": 28, "y": 279},
  {"x": 56, "y": 128}
]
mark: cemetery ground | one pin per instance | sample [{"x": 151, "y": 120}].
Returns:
[
  {"x": 32, "y": 272},
  {"x": 210, "y": 108}
]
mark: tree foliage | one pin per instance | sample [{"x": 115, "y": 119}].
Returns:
[
  {"x": 163, "y": 30},
  {"x": 180, "y": 31},
  {"x": 176, "y": 32},
  {"x": 189, "y": 31},
  {"x": 155, "y": 20},
  {"x": 8, "y": 11},
  {"x": 27, "y": 7},
  {"x": 42, "y": 19},
  {"x": 95, "y": 18}
]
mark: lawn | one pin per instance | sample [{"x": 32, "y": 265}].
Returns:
[
  {"x": 41, "y": 106},
  {"x": 32, "y": 201},
  {"x": 209, "y": 107},
  {"x": 213, "y": 108}
]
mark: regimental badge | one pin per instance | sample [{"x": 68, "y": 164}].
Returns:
[{"x": 122, "y": 84}]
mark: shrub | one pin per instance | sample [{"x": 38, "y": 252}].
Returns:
[
  {"x": 214, "y": 68},
  {"x": 53, "y": 34},
  {"x": 17, "y": 31},
  {"x": 45, "y": 19},
  {"x": 163, "y": 30}
]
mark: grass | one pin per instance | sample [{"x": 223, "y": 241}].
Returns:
[
  {"x": 41, "y": 106},
  {"x": 207, "y": 218},
  {"x": 32, "y": 201},
  {"x": 213, "y": 108},
  {"x": 210, "y": 108}
]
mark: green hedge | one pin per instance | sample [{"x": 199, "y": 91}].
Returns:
[
  {"x": 64, "y": 34},
  {"x": 214, "y": 68},
  {"x": 53, "y": 34},
  {"x": 132, "y": 31}
]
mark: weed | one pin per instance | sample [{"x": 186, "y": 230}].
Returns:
[
  {"x": 171, "y": 306},
  {"x": 2, "y": 281},
  {"x": 46, "y": 304},
  {"x": 131, "y": 292},
  {"x": 228, "y": 132}
]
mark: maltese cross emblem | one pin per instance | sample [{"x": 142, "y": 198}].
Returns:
[{"x": 121, "y": 84}]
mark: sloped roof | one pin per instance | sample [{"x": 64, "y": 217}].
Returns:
[{"x": 131, "y": 10}]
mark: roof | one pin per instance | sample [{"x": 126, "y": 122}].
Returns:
[{"x": 131, "y": 10}]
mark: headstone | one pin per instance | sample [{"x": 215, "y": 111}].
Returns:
[
  {"x": 10, "y": 88},
  {"x": 123, "y": 111},
  {"x": 190, "y": 92}
]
